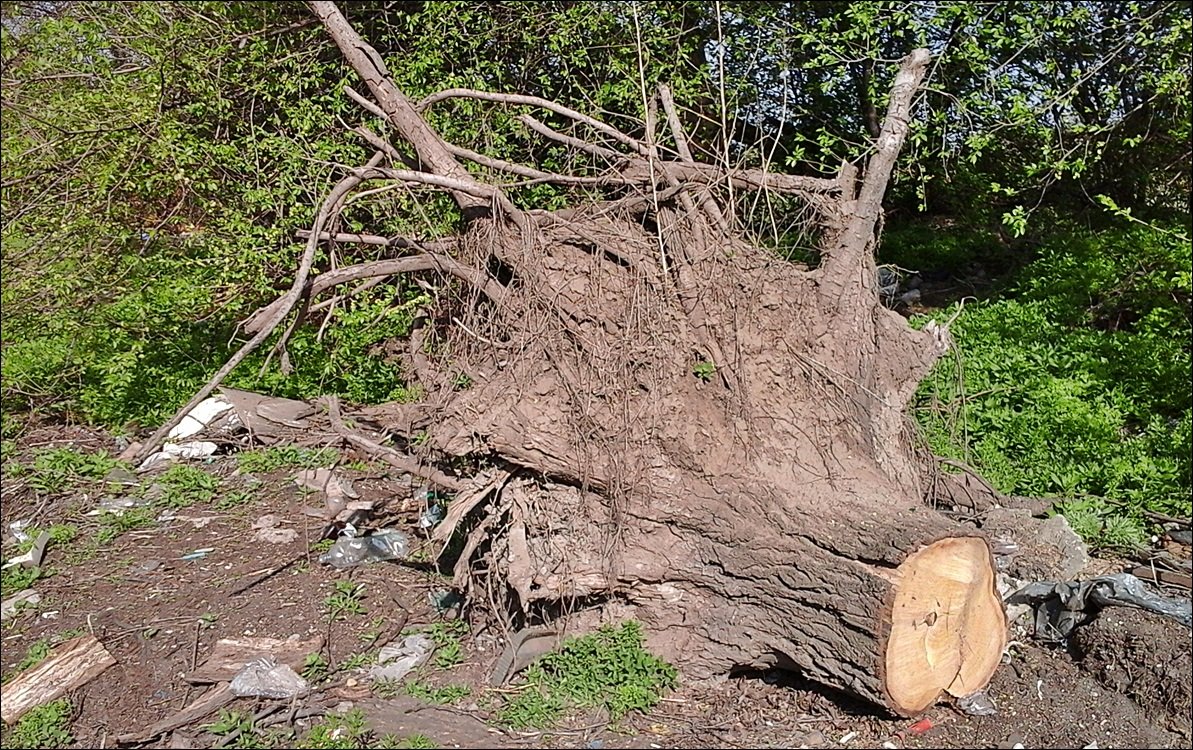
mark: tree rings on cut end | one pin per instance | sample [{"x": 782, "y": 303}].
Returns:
[{"x": 948, "y": 625}]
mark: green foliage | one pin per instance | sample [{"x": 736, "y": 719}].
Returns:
[
  {"x": 280, "y": 457},
  {"x": 112, "y": 525},
  {"x": 18, "y": 578},
  {"x": 607, "y": 669},
  {"x": 47, "y": 726},
  {"x": 56, "y": 469},
  {"x": 1078, "y": 387},
  {"x": 440, "y": 695},
  {"x": 186, "y": 485},
  {"x": 347, "y": 730},
  {"x": 347, "y": 599},
  {"x": 449, "y": 651},
  {"x": 37, "y": 652},
  {"x": 704, "y": 370},
  {"x": 412, "y": 742},
  {"x": 314, "y": 668}
]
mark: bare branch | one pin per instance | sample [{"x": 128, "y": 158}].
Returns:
[
  {"x": 589, "y": 148},
  {"x": 426, "y": 262},
  {"x": 852, "y": 243},
  {"x": 375, "y": 239},
  {"x": 536, "y": 101}
]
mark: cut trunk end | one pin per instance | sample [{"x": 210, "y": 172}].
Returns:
[{"x": 948, "y": 626}]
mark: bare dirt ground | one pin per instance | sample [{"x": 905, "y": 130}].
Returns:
[{"x": 160, "y": 614}]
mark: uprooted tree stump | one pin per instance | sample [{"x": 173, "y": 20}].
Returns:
[{"x": 667, "y": 420}]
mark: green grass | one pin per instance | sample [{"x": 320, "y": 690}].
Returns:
[
  {"x": 314, "y": 668},
  {"x": 37, "y": 652},
  {"x": 112, "y": 525},
  {"x": 449, "y": 651},
  {"x": 346, "y": 600},
  {"x": 47, "y": 726},
  {"x": 57, "y": 469},
  {"x": 440, "y": 695},
  {"x": 184, "y": 486},
  {"x": 285, "y": 457},
  {"x": 607, "y": 670}
]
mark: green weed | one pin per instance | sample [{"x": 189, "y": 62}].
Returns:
[
  {"x": 112, "y": 525},
  {"x": 276, "y": 458},
  {"x": 47, "y": 726},
  {"x": 37, "y": 652},
  {"x": 347, "y": 730},
  {"x": 56, "y": 469},
  {"x": 409, "y": 742},
  {"x": 704, "y": 370},
  {"x": 18, "y": 578},
  {"x": 448, "y": 650},
  {"x": 184, "y": 486},
  {"x": 607, "y": 669},
  {"x": 314, "y": 668},
  {"x": 345, "y": 600},
  {"x": 440, "y": 695},
  {"x": 230, "y": 500}
]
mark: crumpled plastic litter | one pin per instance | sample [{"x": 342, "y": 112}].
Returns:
[
  {"x": 266, "y": 678},
  {"x": 1063, "y": 606},
  {"x": 349, "y": 551},
  {"x": 198, "y": 418},
  {"x": 977, "y": 704},
  {"x": 397, "y": 660},
  {"x": 171, "y": 451}
]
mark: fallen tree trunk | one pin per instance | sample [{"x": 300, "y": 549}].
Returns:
[{"x": 667, "y": 422}]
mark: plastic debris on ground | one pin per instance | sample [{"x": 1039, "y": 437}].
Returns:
[
  {"x": 18, "y": 529},
  {"x": 977, "y": 704},
  {"x": 443, "y": 600},
  {"x": 265, "y": 678},
  {"x": 13, "y": 604},
  {"x": 337, "y": 490},
  {"x": 1063, "y": 606},
  {"x": 397, "y": 660},
  {"x": 33, "y": 557},
  {"x": 200, "y": 417},
  {"x": 172, "y": 451},
  {"x": 921, "y": 726},
  {"x": 349, "y": 551},
  {"x": 198, "y": 554}
]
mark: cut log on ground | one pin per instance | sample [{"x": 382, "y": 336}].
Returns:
[
  {"x": 646, "y": 413},
  {"x": 70, "y": 665}
]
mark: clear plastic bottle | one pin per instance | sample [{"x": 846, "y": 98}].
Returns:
[{"x": 350, "y": 551}]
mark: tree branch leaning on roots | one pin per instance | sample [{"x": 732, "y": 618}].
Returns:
[{"x": 668, "y": 421}]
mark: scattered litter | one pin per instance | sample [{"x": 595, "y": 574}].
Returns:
[
  {"x": 890, "y": 745},
  {"x": 68, "y": 667},
  {"x": 199, "y": 417},
  {"x": 171, "y": 451},
  {"x": 33, "y": 557},
  {"x": 51, "y": 615},
  {"x": 1014, "y": 742},
  {"x": 1062, "y": 606},
  {"x": 395, "y": 661},
  {"x": 336, "y": 489},
  {"x": 386, "y": 544},
  {"x": 432, "y": 516},
  {"x": 230, "y": 655},
  {"x": 443, "y": 600},
  {"x": 1091, "y": 746},
  {"x": 265, "y": 678},
  {"x": 847, "y": 738},
  {"x": 198, "y": 554},
  {"x": 921, "y": 726},
  {"x": 265, "y": 529},
  {"x": 977, "y": 704},
  {"x": 14, "y": 603},
  {"x": 117, "y": 505},
  {"x": 18, "y": 529},
  {"x": 121, "y": 475}
]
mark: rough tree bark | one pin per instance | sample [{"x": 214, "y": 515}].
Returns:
[{"x": 674, "y": 424}]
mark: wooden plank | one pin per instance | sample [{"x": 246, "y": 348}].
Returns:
[{"x": 69, "y": 666}]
